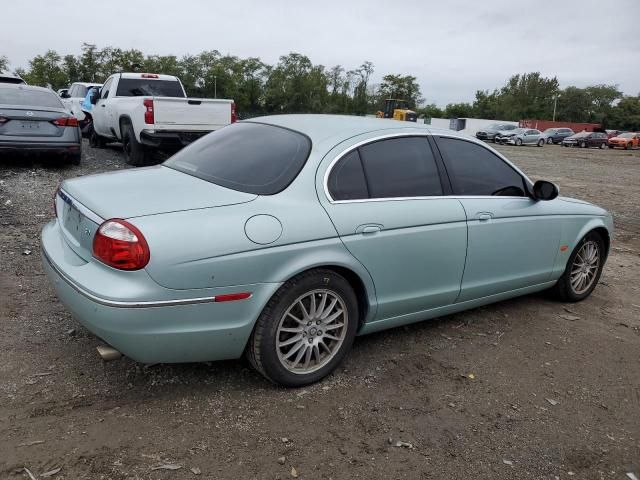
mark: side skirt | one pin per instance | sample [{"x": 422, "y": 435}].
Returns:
[{"x": 392, "y": 322}]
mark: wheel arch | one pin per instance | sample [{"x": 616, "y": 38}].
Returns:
[{"x": 124, "y": 118}]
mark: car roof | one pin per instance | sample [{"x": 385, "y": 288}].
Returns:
[
  {"x": 337, "y": 128},
  {"x": 25, "y": 87},
  {"x": 87, "y": 84}
]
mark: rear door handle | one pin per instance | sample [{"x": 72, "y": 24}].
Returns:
[
  {"x": 484, "y": 216},
  {"x": 368, "y": 229}
]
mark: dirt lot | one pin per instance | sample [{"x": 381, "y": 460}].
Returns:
[{"x": 556, "y": 392}]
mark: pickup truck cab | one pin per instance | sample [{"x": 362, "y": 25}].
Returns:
[{"x": 148, "y": 111}]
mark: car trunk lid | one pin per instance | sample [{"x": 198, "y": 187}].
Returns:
[{"x": 26, "y": 122}]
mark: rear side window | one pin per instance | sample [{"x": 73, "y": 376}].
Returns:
[
  {"x": 475, "y": 170},
  {"x": 347, "y": 180},
  {"x": 247, "y": 157},
  {"x": 400, "y": 167},
  {"x": 141, "y": 87},
  {"x": 27, "y": 97}
]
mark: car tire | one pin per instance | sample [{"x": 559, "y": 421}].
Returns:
[
  {"x": 541, "y": 142},
  {"x": 289, "y": 314},
  {"x": 628, "y": 146},
  {"x": 135, "y": 153},
  {"x": 518, "y": 142},
  {"x": 549, "y": 141},
  {"x": 95, "y": 140},
  {"x": 74, "y": 158},
  {"x": 603, "y": 145},
  {"x": 582, "y": 145},
  {"x": 566, "y": 289}
]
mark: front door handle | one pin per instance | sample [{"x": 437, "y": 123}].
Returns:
[
  {"x": 369, "y": 228},
  {"x": 484, "y": 216}
]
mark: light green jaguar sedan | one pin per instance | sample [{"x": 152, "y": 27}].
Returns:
[{"x": 284, "y": 237}]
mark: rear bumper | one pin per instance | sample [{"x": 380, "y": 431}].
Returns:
[
  {"x": 147, "y": 322},
  {"x": 53, "y": 147},
  {"x": 170, "y": 140}
]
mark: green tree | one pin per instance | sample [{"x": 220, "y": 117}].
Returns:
[
  {"x": 574, "y": 105},
  {"x": 404, "y": 87},
  {"x": 626, "y": 114},
  {"x": 4, "y": 63},
  {"x": 528, "y": 95},
  {"x": 458, "y": 110},
  {"x": 431, "y": 111},
  {"x": 46, "y": 70}
]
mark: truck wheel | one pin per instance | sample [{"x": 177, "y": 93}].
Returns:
[
  {"x": 135, "y": 153},
  {"x": 95, "y": 140}
]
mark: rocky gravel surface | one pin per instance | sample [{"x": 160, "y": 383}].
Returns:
[{"x": 528, "y": 388}]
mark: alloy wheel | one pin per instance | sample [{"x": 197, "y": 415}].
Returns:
[
  {"x": 585, "y": 267},
  {"x": 311, "y": 331}
]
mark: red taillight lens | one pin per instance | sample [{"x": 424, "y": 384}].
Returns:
[
  {"x": 149, "y": 75},
  {"x": 120, "y": 245},
  {"x": 148, "y": 113},
  {"x": 232, "y": 297},
  {"x": 234, "y": 113},
  {"x": 66, "y": 122}
]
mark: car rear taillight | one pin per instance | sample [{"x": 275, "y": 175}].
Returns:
[
  {"x": 234, "y": 113},
  {"x": 149, "y": 75},
  {"x": 148, "y": 113},
  {"x": 120, "y": 245},
  {"x": 66, "y": 122}
]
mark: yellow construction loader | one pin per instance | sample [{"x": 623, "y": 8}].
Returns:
[{"x": 398, "y": 110}]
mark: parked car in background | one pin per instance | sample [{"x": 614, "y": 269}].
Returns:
[
  {"x": 148, "y": 111},
  {"x": 489, "y": 133},
  {"x": 62, "y": 91},
  {"x": 33, "y": 119},
  {"x": 284, "y": 237},
  {"x": 586, "y": 139},
  {"x": 74, "y": 97},
  {"x": 521, "y": 136},
  {"x": 11, "y": 78},
  {"x": 627, "y": 140},
  {"x": 556, "y": 135}
]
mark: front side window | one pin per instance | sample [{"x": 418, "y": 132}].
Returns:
[
  {"x": 247, "y": 157},
  {"x": 476, "y": 171},
  {"x": 105, "y": 88}
]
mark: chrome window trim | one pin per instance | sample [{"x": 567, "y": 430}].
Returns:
[
  {"x": 126, "y": 304},
  {"x": 69, "y": 200},
  {"x": 349, "y": 149}
]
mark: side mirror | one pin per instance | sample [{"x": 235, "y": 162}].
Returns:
[
  {"x": 65, "y": 95},
  {"x": 543, "y": 190},
  {"x": 94, "y": 97}
]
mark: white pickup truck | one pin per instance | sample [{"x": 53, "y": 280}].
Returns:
[{"x": 147, "y": 111}]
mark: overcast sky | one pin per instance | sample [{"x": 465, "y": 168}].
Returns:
[{"x": 453, "y": 47}]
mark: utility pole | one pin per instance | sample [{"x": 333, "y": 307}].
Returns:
[
  {"x": 555, "y": 103},
  {"x": 215, "y": 89}
]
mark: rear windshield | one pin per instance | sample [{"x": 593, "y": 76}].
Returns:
[
  {"x": 248, "y": 157},
  {"x": 15, "y": 80},
  {"x": 141, "y": 87},
  {"x": 26, "y": 97}
]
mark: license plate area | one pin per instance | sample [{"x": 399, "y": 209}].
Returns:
[{"x": 29, "y": 125}]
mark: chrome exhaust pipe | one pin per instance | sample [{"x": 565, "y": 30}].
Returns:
[{"x": 108, "y": 353}]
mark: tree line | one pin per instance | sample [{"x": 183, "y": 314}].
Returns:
[{"x": 296, "y": 85}]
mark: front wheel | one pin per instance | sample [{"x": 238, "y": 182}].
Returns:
[
  {"x": 95, "y": 140},
  {"x": 305, "y": 330},
  {"x": 518, "y": 142},
  {"x": 603, "y": 145},
  {"x": 583, "y": 270},
  {"x": 541, "y": 142},
  {"x": 582, "y": 145},
  {"x": 628, "y": 146},
  {"x": 549, "y": 141}
]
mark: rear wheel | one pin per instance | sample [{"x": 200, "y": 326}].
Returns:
[
  {"x": 134, "y": 152},
  {"x": 583, "y": 269},
  {"x": 305, "y": 330}
]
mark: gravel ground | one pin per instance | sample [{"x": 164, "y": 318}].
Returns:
[{"x": 554, "y": 391}]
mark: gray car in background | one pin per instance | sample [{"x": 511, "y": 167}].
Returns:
[
  {"x": 490, "y": 132},
  {"x": 521, "y": 136},
  {"x": 33, "y": 119}
]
